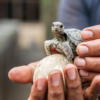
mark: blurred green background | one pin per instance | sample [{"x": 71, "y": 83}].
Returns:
[{"x": 24, "y": 26}]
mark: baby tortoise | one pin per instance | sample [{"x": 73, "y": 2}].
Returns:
[{"x": 65, "y": 41}]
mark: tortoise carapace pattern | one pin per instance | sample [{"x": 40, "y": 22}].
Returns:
[{"x": 65, "y": 41}]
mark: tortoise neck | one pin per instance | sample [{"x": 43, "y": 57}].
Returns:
[{"x": 60, "y": 37}]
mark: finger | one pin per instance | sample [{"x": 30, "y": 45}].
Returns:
[
  {"x": 73, "y": 84},
  {"x": 90, "y": 48},
  {"x": 22, "y": 74},
  {"x": 39, "y": 89},
  {"x": 88, "y": 63},
  {"x": 93, "y": 92},
  {"x": 87, "y": 76},
  {"x": 91, "y": 33},
  {"x": 54, "y": 51},
  {"x": 55, "y": 86}
]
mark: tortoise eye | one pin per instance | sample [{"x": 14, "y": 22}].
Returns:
[
  {"x": 61, "y": 26},
  {"x": 53, "y": 25}
]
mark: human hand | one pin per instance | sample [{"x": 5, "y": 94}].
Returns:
[
  {"x": 17, "y": 75},
  {"x": 24, "y": 74},
  {"x": 89, "y": 53},
  {"x": 56, "y": 90},
  {"x": 56, "y": 86}
]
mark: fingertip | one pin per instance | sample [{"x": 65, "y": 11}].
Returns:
[
  {"x": 96, "y": 80},
  {"x": 41, "y": 83},
  {"x": 69, "y": 66},
  {"x": 73, "y": 83},
  {"x": 42, "y": 77},
  {"x": 91, "y": 33},
  {"x": 84, "y": 73},
  {"x": 70, "y": 71},
  {"x": 86, "y": 35},
  {"x": 39, "y": 89},
  {"x": 54, "y": 71},
  {"x": 55, "y": 85},
  {"x": 82, "y": 49},
  {"x": 11, "y": 74},
  {"x": 21, "y": 74},
  {"x": 55, "y": 78},
  {"x": 80, "y": 62}
]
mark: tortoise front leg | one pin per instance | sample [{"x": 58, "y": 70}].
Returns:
[
  {"x": 67, "y": 51},
  {"x": 47, "y": 45},
  {"x": 58, "y": 47}
]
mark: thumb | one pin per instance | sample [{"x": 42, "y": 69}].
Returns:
[{"x": 22, "y": 74}]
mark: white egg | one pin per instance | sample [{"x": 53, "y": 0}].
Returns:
[{"x": 49, "y": 63}]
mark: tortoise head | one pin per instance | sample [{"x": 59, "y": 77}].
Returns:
[{"x": 57, "y": 28}]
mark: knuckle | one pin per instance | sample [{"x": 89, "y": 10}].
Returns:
[
  {"x": 56, "y": 93},
  {"x": 74, "y": 86},
  {"x": 37, "y": 97}
]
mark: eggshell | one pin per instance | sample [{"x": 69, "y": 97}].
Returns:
[{"x": 49, "y": 63}]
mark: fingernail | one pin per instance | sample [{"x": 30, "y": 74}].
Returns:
[
  {"x": 84, "y": 73},
  {"x": 87, "y": 34},
  {"x": 56, "y": 79},
  {"x": 71, "y": 74},
  {"x": 80, "y": 62},
  {"x": 40, "y": 84},
  {"x": 83, "y": 50}
]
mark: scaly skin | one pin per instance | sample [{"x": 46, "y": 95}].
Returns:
[{"x": 62, "y": 42}]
